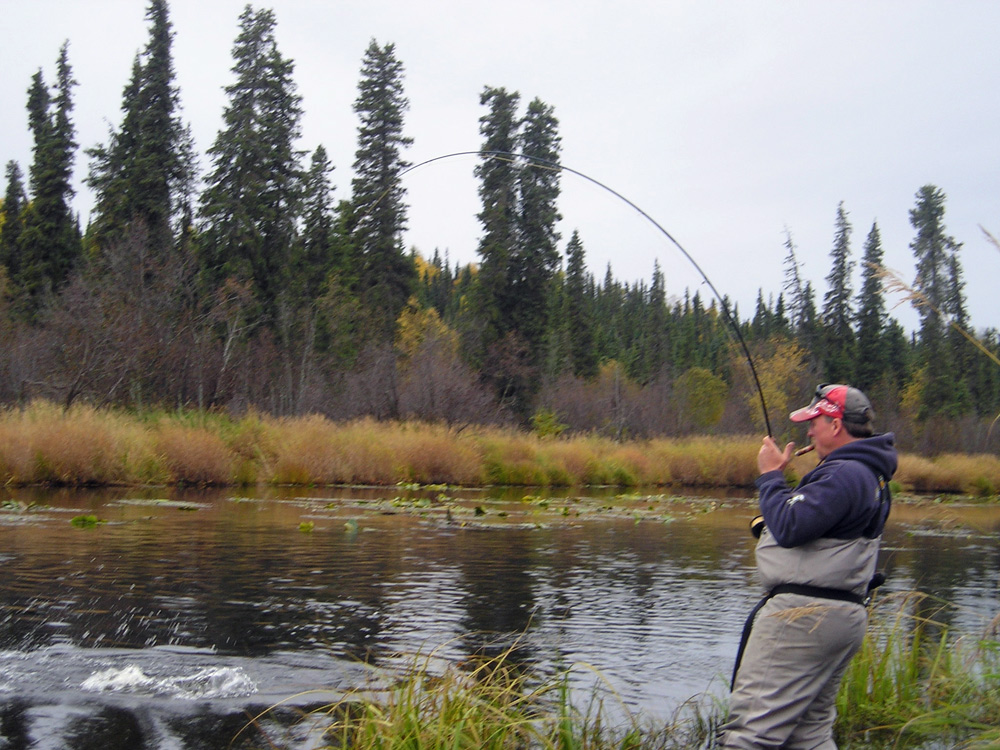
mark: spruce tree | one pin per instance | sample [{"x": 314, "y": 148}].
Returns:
[
  {"x": 387, "y": 274},
  {"x": 684, "y": 347},
  {"x": 12, "y": 221},
  {"x": 67, "y": 246},
  {"x": 936, "y": 285},
  {"x": 898, "y": 355},
  {"x": 436, "y": 286},
  {"x": 871, "y": 316},
  {"x": 694, "y": 310},
  {"x": 557, "y": 353},
  {"x": 717, "y": 337},
  {"x": 144, "y": 172},
  {"x": 578, "y": 317},
  {"x": 50, "y": 240},
  {"x": 319, "y": 228},
  {"x": 111, "y": 168},
  {"x": 780, "y": 323},
  {"x": 984, "y": 376},
  {"x": 499, "y": 128},
  {"x": 793, "y": 283},
  {"x": 519, "y": 246},
  {"x": 536, "y": 255},
  {"x": 838, "y": 316},
  {"x": 803, "y": 321},
  {"x": 607, "y": 318},
  {"x": 251, "y": 202},
  {"x": 33, "y": 282},
  {"x": 809, "y": 333},
  {"x": 760, "y": 325},
  {"x": 962, "y": 351},
  {"x": 656, "y": 327}
]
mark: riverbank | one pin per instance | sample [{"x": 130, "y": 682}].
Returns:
[{"x": 84, "y": 446}]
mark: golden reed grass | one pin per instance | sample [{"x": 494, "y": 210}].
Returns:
[
  {"x": 45, "y": 444},
  {"x": 951, "y": 473},
  {"x": 314, "y": 450},
  {"x": 194, "y": 455}
]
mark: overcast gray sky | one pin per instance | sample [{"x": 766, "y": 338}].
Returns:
[{"x": 727, "y": 122}]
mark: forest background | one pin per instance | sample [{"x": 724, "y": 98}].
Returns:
[{"x": 251, "y": 287}]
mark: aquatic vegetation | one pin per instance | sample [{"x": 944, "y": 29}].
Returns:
[
  {"x": 982, "y": 487},
  {"x": 17, "y": 506}
]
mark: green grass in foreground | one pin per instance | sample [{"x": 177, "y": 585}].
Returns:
[
  {"x": 493, "y": 705},
  {"x": 911, "y": 686}
]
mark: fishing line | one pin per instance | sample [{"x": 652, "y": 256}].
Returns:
[{"x": 541, "y": 163}]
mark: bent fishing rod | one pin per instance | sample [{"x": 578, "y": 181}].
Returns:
[{"x": 542, "y": 163}]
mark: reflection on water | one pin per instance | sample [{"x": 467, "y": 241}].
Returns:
[{"x": 207, "y": 597}]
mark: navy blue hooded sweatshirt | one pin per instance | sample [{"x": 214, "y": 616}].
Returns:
[
  {"x": 826, "y": 531},
  {"x": 839, "y": 499}
]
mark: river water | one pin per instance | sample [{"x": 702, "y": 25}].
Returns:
[{"x": 164, "y": 619}]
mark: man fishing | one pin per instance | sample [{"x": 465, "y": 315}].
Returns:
[{"x": 816, "y": 557}]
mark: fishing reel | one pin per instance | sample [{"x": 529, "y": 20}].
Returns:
[{"x": 757, "y": 526}]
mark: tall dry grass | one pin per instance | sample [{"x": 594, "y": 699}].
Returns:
[
  {"x": 518, "y": 458},
  {"x": 194, "y": 455},
  {"x": 711, "y": 462},
  {"x": 977, "y": 475},
  {"x": 314, "y": 450},
  {"x": 45, "y": 444}
]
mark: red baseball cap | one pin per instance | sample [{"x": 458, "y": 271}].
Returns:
[{"x": 835, "y": 400}]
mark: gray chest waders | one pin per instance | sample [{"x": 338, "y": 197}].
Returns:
[
  {"x": 796, "y": 588},
  {"x": 885, "y": 501}
]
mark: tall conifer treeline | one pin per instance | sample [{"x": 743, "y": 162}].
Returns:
[
  {"x": 255, "y": 285},
  {"x": 48, "y": 244}
]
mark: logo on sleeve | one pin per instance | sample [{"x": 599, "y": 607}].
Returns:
[{"x": 795, "y": 499}]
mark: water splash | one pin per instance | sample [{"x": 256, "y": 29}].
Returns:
[{"x": 205, "y": 683}]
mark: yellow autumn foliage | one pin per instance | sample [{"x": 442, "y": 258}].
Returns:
[
  {"x": 779, "y": 372},
  {"x": 416, "y": 326}
]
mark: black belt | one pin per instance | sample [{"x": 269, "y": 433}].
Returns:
[
  {"x": 817, "y": 591},
  {"x": 796, "y": 588}
]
